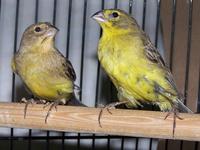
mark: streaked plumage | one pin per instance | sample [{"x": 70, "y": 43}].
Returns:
[
  {"x": 134, "y": 64},
  {"x": 46, "y": 73}
]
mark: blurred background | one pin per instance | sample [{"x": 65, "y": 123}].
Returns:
[{"x": 173, "y": 26}]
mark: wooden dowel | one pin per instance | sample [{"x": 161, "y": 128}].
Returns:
[{"x": 85, "y": 120}]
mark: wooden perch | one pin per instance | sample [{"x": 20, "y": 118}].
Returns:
[{"x": 85, "y": 120}]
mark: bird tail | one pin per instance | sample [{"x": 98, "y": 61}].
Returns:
[
  {"x": 182, "y": 108},
  {"x": 75, "y": 102}
]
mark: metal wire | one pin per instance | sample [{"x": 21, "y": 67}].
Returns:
[
  {"x": 54, "y": 23},
  {"x": 156, "y": 45},
  {"x": 130, "y": 6},
  {"x": 198, "y": 110},
  {"x": 0, "y": 9},
  {"x": 144, "y": 14},
  {"x": 172, "y": 33},
  {"x": 188, "y": 48},
  {"x": 188, "y": 55},
  {"x": 67, "y": 52},
  {"x": 54, "y": 12},
  {"x": 36, "y": 20},
  {"x": 97, "y": 80},
  {"x": 13, "y": 75},
  {"x": 83, "y": 46},
  {"x": 196, "y": 146},
  {"x": 172, "y": 44},
  {"x": 143, "y": 27},
  {"x": 157, "y": 22},
  {"x": 65, "y": 137},
  {"x": 36, "y": 10},
  {"x": 68, "y": 27},
  {"x": 116, "y": 4},
  {"x": 82, "y": 58}
]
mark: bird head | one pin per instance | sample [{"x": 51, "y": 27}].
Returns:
[
  {"x": 39, "y": 34},
  {"x": 115, "y": 20}
]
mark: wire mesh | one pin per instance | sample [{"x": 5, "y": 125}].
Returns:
[{"x": 71, "y": 140}]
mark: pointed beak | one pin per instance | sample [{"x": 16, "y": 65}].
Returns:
[
  {"x": 52, "y": 31},
  {"x": 54, "y": 27},
  {"x": 99, "y": 16}
]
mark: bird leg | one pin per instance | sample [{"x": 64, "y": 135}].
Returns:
[
  {"x": 27, "y": 102},
  {"x": 108, "y": 108},
  {"x": 53, "y": 105},
  {"x": 175, "y": 115},
  {"x": 46, "y": 104}
]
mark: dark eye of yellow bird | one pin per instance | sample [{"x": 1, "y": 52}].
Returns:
[
  {"x": 115, "y": 14},
  {"x": 37, "y": 29}
]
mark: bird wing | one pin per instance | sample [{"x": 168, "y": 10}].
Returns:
[
  {"x": 152, "y": 53},
  {"x": 155, "y": 57},
  {"x": 67, "y": 67},
  {"x": 69, "y": 70}
]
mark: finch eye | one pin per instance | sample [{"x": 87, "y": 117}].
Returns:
[
  {"x": 115, "y": 14},
  {"x": 37, "y": 29}
]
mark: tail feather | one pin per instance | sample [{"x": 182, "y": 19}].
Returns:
[
  {"x": 74, "y": 102},
  {"x": 182, "y": 107}
]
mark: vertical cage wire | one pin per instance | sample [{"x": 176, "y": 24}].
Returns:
[
  {"x": 172, "y": 44},
  {"x": 198, "y": 110},
  {"x": 188, "y": 48},
  {"x": 67, "y": 51},
  {"x": 13, "y": 75},
  {"x": 0, "y": 8},
  {"x": 156, "y": 44},
  {"x": 68, "y": 27},
  {"x": 143, "y": 27},
  {"x": 97, "y": 85},
  {"x": 54, "y": 23},
  {"x": 172, "y": 33},
  {"x": 199, "y": 95},
  {"x": 82, "y": 58},
  {"x": 190, "y": 3}
]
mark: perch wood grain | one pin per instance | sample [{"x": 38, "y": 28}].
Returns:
[{"x": 85, "y": 120}]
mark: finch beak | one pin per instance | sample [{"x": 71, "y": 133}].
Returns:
[
  {"x": 54, "y": 27},
  {"x": 51, "y": 32},
  {"x": 99, "y": 17}
]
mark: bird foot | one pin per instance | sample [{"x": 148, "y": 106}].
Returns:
[
  {"x": 108, "y": 107},
  {"x": 27, "y": 102},
  {"x": 175, "y": 115},
  {"x": 53, "y": 104}
]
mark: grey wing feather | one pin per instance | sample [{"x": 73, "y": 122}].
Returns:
[
  {"x": 181, "y": 107},
  {"x": 152, "y": 53},
  {"x": 154, "y": 56},
  {"x": 68, "y": 68}
]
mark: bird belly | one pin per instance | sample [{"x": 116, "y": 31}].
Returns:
[
  {"x": 43, "y": 85},
  {"x": 134, "y": 81},
  {"x": 41, "y": 88}
]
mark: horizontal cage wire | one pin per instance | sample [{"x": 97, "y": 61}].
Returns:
[{"x": 171, "y": 26}]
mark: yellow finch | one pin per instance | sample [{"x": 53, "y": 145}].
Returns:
[
  {"x": 46, "y": 73},
  {"x": 134, "y": 64}
]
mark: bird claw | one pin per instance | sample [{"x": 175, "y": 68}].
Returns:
[
  {"x": 46, "y": 104},
  {"x": 108, "y": 108},
  {"x": 54, "y": 105},
  {"x": 27, "y": 102},
  {"x": 175, "y": 115}
]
